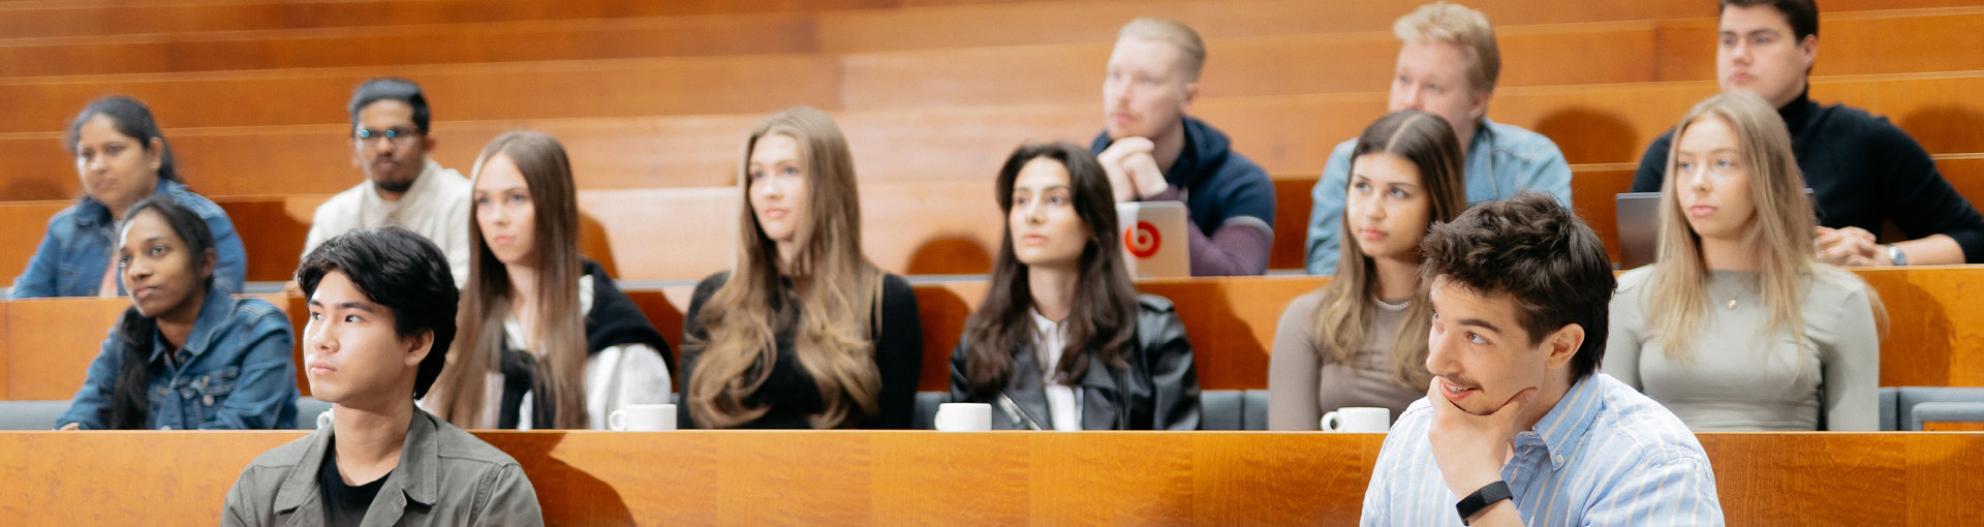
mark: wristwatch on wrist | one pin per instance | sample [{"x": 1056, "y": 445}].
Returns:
[
  {"x": 1474, "y": 503},
  {"x": 1896, "y": 257}
]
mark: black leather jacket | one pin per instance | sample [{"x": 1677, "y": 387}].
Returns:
[{"x": 1158, "y": 391}]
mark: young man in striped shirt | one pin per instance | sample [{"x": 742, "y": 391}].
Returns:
[{"x": 1517, "y": 428}]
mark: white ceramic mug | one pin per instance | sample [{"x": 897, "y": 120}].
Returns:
[
  {"x": 642, "y": 418},
  {"x": 964, "y": 417},
  {"x": 1358, "y": 419}
]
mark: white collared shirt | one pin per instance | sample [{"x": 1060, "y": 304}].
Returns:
[{"x": 1064, "y": 402}]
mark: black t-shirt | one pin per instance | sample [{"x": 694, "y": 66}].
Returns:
[{"x": 344, "y": 504}]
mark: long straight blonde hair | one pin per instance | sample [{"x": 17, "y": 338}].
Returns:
[
  {"x": 1343, "y": 321},
  {"x": 558, "y": 333},
  {"x": 1779, "y": 238},
  {"x": 836, "y": 292}
]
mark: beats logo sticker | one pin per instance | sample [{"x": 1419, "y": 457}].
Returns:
[{"x": 1142, "y": 240}]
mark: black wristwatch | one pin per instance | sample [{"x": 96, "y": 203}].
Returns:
[{"x": 1481, "y": 499}]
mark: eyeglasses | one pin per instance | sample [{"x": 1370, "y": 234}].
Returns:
[{"x": 397, "y": 136}]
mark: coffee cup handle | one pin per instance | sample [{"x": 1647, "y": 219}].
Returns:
[
  {"x": 613, "y": 420},
  {"x": 1331, "y": 422}
]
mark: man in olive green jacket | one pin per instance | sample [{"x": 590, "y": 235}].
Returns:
[{"x": 382, "y": 312}]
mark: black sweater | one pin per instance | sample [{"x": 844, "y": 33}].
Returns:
[
  {"x": 790, "y": 392},
  {"x": 1863, "y": 170}
]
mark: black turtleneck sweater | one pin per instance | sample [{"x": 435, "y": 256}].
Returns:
[{"x": 1863, "y": 170}]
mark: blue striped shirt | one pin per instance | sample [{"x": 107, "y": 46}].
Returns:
[{"x": 1605, "y": 455}]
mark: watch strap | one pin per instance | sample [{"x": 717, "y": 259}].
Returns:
[{"x": 1481, "y": 499}]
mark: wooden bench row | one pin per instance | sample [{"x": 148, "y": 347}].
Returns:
[
  {"x": 1286, "y": 134},
  {"x": 628, "y": 82},
  {"x": 843, "y": 25},
  {"x": 937, "y": 478},
  {"x": 1607, "y": 52},
  {"x": 920, "y": 228},
  {"x": 1936, "y": 335}
]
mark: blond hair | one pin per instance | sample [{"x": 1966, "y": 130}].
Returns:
[
  {"x": 1458, "y": 25},
  {"x": 1174, "y": 33},
  {"x": 833, "y": 302},
  {"x": 1780, "y": 238}
]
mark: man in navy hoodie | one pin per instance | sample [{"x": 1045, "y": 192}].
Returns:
[{"x": 1153, "y": 152}]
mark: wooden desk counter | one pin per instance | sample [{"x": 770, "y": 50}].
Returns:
[{"x": 931, "y": 478}]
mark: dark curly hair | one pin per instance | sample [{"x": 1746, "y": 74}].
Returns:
[{"x": 1543, "y": 257}]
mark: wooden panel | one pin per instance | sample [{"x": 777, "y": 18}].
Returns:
[
  {"x": 1286, "y": 134},
  {"x": 21, "y": 228},
  {"x": 1065, "y": 22},
  {"x": 50, "y": 362},
  {"x": 395, "y": 45},
  {"x": 1231, "y": 323},
  {"x": 898, "y": 478},
  {"x": 47, "y": 19},
  {"x": 1897, "y": 41},
  {"x": 1796, "y": 479},
  {"x": 1072, "y": 73},
  {"x": 665, "y": 86}
]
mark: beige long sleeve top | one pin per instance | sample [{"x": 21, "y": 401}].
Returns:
[
  {"x": 1737, "y": 378},
  {"x": 1302, "y": 384}
]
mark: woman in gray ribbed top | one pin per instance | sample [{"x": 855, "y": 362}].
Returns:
[
  {"x": 1361, "y": 340},
  {"x": 1738, "y": 326}
]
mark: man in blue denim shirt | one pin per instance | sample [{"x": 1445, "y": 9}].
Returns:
[
  {"x": 211, "y": 361},
  {"x": 1447, "y": 65}
]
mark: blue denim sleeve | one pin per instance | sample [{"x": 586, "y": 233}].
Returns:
[
  {"x": 264, "y": 395},
  {"x": 1548, "y": 171},
  {"x": 1326, "y": 215},
  {"x": 38, "y": 280},
  {"x": 231, "y": 272},
  {"x": 88, "y": 408}
]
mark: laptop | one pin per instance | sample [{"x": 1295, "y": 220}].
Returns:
[
  {"x": 1154, "y": 238},
  {"x": 1639, "y": 227}
]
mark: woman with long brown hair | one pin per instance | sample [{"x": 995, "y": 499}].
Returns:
[
  {"x": 1063, "y": 341},
  {"x": 1361, "y": 339},
  {"x": 545, "y": 339},
  {"x": 803, "y": 331},
  {"x": 1737, "y": 325}
]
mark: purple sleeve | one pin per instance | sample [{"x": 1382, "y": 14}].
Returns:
[{"x": 1233, "y": 249}]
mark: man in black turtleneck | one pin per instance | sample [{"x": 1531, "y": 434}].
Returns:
[{"x": 1862, "y": 169}]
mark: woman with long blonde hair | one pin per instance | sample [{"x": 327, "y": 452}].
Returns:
[
  {"x": 1737, "y": 325},
  {"x": 1361, "y": 339},
  {"x": 545, "y": 340},
  {"x": 803, "y": 331}
]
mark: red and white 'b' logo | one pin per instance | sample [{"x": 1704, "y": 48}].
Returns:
[{"x": 1142, "y": 240}]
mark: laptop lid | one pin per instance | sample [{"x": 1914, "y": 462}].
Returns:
[
  {"x": 1639, "y": 226},
  {"x": 1154, "y": 238}
]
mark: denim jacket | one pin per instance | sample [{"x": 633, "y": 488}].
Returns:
[
  {"x": 236, "y": 373},
  {"x": 79, "y": 241}
]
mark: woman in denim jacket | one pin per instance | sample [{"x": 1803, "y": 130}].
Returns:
[
  {"x": 121, "y": 158},
  {"x": 186, "y": 355}
]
